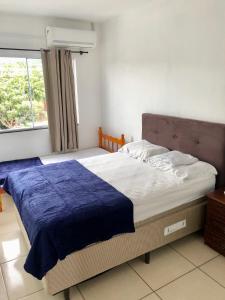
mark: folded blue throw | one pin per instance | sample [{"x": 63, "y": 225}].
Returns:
[
  {"x": 65, "y": 207},
  {"x": 14, "y": 165}
]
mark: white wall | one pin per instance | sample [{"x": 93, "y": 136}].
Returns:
[
  {"x": 29, "y": 32},
  {"x": 168, "y": 58}
]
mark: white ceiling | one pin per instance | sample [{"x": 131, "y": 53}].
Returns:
[{"x": 93, "y": 10}]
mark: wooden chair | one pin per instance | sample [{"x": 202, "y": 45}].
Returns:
[{"x": 109, "y": 142}]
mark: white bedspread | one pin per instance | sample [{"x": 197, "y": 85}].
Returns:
[
  {"x": 151, "y": 190},
  {"x": 135, "y": 179},
  {"x": 55, "y": 158}
]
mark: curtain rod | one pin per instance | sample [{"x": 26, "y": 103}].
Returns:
[{"x": 37, "y": 50}]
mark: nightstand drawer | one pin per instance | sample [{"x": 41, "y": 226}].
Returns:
[
  {"x": 216, "y": 211},
  {"x": 216, "y": 227},
  {"x": 215, "y": 221},
  {"x": 215, "y": 240}
]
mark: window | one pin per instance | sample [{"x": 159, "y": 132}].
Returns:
[
  {"x": 76, "y": 89},
  {"x": 22, "y": 94}
]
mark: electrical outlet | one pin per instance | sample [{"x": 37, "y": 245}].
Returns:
[{"x": 175, "y": 227}]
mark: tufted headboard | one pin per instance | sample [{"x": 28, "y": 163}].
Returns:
[{"x": 204, "y": 140}]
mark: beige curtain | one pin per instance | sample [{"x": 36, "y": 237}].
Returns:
[{"x": 60, "y": 96}]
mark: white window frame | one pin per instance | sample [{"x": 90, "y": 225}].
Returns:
[
  {"x": 74, "y": 62},
  {"x": 26, "y": 55}
]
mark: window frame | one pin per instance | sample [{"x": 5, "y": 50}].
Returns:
[
  {"x": 26, "y": 55},
  {"x": 75, "y": 64},
  {"x": 4, "y": 131}
]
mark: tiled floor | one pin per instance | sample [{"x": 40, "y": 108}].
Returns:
[{"x": 184, "y": 270}]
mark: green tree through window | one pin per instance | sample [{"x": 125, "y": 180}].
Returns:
[{"x": 22, "y": 94}]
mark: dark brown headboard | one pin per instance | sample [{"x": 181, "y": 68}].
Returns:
[{"x": 204, "y": 140}]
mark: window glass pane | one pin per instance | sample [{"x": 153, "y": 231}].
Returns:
[
  {"x": 22, "y": 94},
  {"x": 15, "y": 109},
  {"x": 37, "y": 88}
]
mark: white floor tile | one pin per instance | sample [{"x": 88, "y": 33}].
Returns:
[
  {"x": 194, "y": 249},
  {"x": 42, "y": 295},
  {"x": 7, "y": 203},
  {"x": 151, "y": 297},
  {"x": 8, "y": 222},
  {"x": 18, "y": 282},
  {"x": 193, "y": 286},
  {"x": 165, "y": 265},
  {"x": 12, "y": 245},
  {"x": 3, "y": 294},
  {"x": 121, "y": 283},
  {"x": 216, "y": 269}
]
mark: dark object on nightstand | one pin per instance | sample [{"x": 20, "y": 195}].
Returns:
[{"x": 215, "y": 221}]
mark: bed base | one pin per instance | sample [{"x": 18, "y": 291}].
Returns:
[
  {"x": 66, "y": 292},
  {"x": 95, "y": 259}
]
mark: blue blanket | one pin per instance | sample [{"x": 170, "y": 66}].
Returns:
[
  {"x": 14, "y": 165},
  {"x": 65, "y": 207}
]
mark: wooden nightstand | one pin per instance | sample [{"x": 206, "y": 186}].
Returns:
[{"x": 215, "y": 221}]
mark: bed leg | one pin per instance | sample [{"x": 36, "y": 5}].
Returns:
[
  {"x": 67, "y": 294},
  {"x": 147, "y": 258}
]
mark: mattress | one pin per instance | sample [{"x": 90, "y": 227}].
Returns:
[
  {"x": 55, "y": 158},
  {"x": 186, "y": 193},
  {"x": 151, "y": 190}
]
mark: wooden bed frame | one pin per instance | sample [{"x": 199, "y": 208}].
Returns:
[
  {"x": 108, "y": 142},
  {"x": 1, "y": 193},
  {"x": 202, "y": 139}
]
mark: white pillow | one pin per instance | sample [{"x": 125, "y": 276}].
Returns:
[
  {"x": 142, "y": 149},
  {"x": 200, "y": 169},
  {"x": 170, "y": 160}
]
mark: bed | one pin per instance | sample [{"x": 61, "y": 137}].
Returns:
[
  {"x": 202, "y": 139},
  {"x": 107, "y": 144}
]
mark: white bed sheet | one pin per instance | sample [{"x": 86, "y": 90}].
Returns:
[
  {"x": 189, "y": 191},
  {"x": 151, "y": 190},
  {"x": 55, "y": 158}
]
